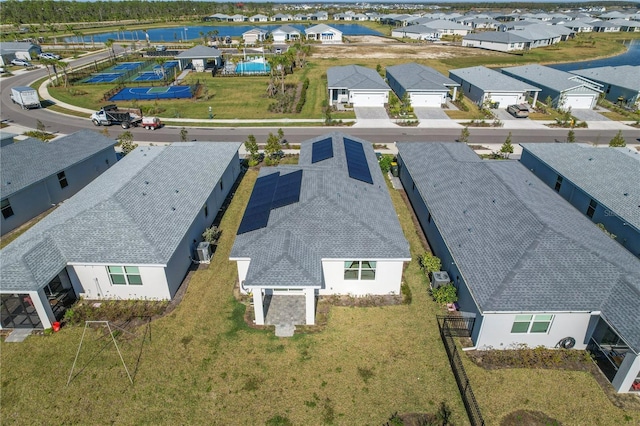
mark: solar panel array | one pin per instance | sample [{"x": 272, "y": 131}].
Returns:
[
  {"x": 270, "y": 192},
  {"x": 321, "y": 150},
  {"x": 357, "y": 161}
]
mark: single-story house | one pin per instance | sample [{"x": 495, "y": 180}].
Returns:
[
  {"x": 542, "y": 35},
  {"x": 129, "y": 234},
  {"x": 285, "y": 33},
  {"x": 605, "y": 27},
  {"x": 7, "y": 138},
  {"x": 424, "y": 86},
  {"x": 255, "y": 35},
  {"x": 446, "y": 27},
  {"x": 10, "y": 50},
  {"x": 37, "y": 175},
  {"x": 201, "y": 58},
  {"x": 416, "y": 32},
  {"x": 601, "y": 183},
  {"x": 484, "y": 85},
  {"x": 258, "y": 18},
  {"x": 529, "y": 269},
  {"x": 282, "y": 17},
  {"x": 627, "y": 26},
  {"x": 620, "y": 84},
  {"x": 580, "y": 25},
  {"x": 342, "y": 17},
  {"x": 238, "y": 18},
  {"x": 325, "y": 226},
  {"x": 502, "y": 41},
  {"x": 357, "y": 85},
  {"x": 217, "y": 17},
  {"x": 565, "y": 89},
  {"x": 324, "y": 34},
  {"x": 319, "y": 16}
]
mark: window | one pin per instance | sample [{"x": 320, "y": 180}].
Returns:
[
  {"x": 221, "y": 185},
  {"x": 558, "y": 183},
  {"x": 206, "y": 210},
  {"x": 429, "y": 218},
  {"x": 124, "y": 275},
  {"x": 532, "y": 323},
  {"x": 360, "y": 270},
  {"x": 63, "y": 180},
  {"x": 7, "y": 211},
  {"x": 592, "y": 208}
]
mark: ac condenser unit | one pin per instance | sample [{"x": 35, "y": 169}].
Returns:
[
  {"x": 204, "y": 252},
  {"x": 439, "y": 278}
]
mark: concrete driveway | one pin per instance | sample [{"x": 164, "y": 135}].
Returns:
[
  {"x": 372, "y": 117},
  {"x": 426, "y": 113},
  {"x": 511, "y": 122},
  {"x": 588, "y": 115}
]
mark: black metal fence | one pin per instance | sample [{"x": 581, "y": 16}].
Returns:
[{"x": 451, "y": 326}]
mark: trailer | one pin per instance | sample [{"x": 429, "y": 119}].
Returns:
[
  {"x": 151, "y": 123},
  {"x": 26, "y": 97},
  {"x": 111, "y": 114}
]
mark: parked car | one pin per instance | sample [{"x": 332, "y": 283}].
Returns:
[
  {"x": 20, "y": 63},
  {"x": 518, "y": 111},
  {"x": 161, "y": 48},
  {"x": 48, "y": 55}
]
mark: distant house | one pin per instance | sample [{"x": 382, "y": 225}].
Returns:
[
  {"x": 357, "y": 85},
  {"x": 424, "y": 86},
  {"x": 201, "y": 57},
  {"x": 129, "y": 234},
  {"x": 445, "y": 27},
  {"x": 238, "y": 18},
  {"x": 605, "y": 27},
  {"x": 565, "y": 89},
  {"x": 501, "y": 41},
  {"x": 319, "y": 16},
  {"x": 323, "y": 227},
  {"x": 529, "y": 269},
  {"x": 602, "y": 183},
  {"x": 285, "y": 34},
  {"x": 620, "y": 84},
  {"x": 217, "y": 17},
  {"x": 10, "y": 50},
  {"x": 484, "y": 85},
  {"x": 258, "y": 18},
  {"x": 324, "y": 34},
  {"x": 627, "y": 26},
  {"x": 255, "y": 35},
  {"x": 281, "y": 17},
  {"x": 416, "y": 32},
  {"x": 38, "y": 175}
]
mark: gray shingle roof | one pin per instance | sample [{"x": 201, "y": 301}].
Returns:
[
  {"x": 491, "y": 80},
  {"x": 137, "y": 212},
  {"x": 417, "y": 29},
  {"x": 520, "y": 246},
  {"x": 198, "y": 52},
  {"x": 606, "y": 174},
  {"x": 321, "y": 28},
  {"x": 31, "y": 160},
  {"x": 337, "y": 217},
  {"x": 557, "y": 80},
  {"x": 498, "y": 37},
  {"x": 17, "y": 46},
  {"x": 415, "y": 77},
  {"x": 627, "y": 76},
  {"x": 355, "y": 77}
]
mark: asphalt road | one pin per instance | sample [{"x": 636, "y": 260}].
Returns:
[{"x": 58, "y": 123}]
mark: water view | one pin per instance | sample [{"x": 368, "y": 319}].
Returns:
[{"x": 630, "y": 57}]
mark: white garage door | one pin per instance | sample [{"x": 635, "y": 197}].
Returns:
[
  {"x": 579, "y": 102},
  {"x": 368, "y": 98},
  {"x": 504, "y": 99},
  {"x": 427, "y": 99}
]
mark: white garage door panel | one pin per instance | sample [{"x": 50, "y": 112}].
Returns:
[
  {"x": 368, "y": 99},
  {"x": 504, "y": 100},
  {"x": 427, "y": 99},
  {"x": 579, "y": 102}
]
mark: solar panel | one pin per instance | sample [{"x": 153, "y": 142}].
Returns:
[
  {"x": 357, "y": 161},
  {"x": 321, "y": 150},
  {"x": 256, "y": 215},
  {"x": 288, "y": 189}
]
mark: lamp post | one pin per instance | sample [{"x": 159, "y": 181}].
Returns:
[{"x": 210, "y": 113}]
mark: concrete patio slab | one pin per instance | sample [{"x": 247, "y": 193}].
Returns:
[{"x": 18, "y": 335}]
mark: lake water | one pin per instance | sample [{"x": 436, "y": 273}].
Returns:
[
  {"x": 630, "y": 57},
  {"x": 159, "y": 35}
]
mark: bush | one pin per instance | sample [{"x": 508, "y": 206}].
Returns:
[
  {"x": 429, "y": 263},
  {"x": 407, "y": 297},
  {"x": 385, "y": 163},
  {"x": 445, "y": 294},
  {"x": 303, "y": 96}
]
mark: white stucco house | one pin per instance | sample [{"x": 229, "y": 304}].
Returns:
[
  {"x": 255, "y": 35},
  {"x": 129, "y": 234},
  {"x": 529, "y": 268},
  {"x": 37, "y": 175},
  {"x": 357, "y": 85},
  {"x": 416, "y": 32},
  {"x": 285, "y": 33},
  {"x": 323, "y": 227},
  {"x": 484, "y": 85},
  {"x": 324, "y": 34}
]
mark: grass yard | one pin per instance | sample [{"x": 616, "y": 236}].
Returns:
[{"x": 205, "y": 366}]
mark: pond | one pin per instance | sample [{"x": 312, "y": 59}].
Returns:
[
  {"x": 630, "y": 57},
  {"x": 175, "y": 34}
]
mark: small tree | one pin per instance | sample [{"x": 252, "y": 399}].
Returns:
[
  {"x": 464, "y": 135},
  {"x": 252, "y": 148},
  {"x": 507, "y": 148},
  {"x": 571, "y": 136},
  {"x": 125, "y": 140},
  {"x": 212, "y": 234},
  {"x": 618, "y": 140},
  {"x": 445, "y": 294},
  {"x": 548, "y": 102},
  {"x": 183, "y": 135},
  {"x": 273, "y": 149}
]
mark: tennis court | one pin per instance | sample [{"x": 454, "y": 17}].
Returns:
[
  {"x": 151, "y": 93},
  {"x": 167, "y": 65},
  {"x": 149, "y": 76},
  {"x": 126, "y": 66},
  {"x": 107, "y": 77}
]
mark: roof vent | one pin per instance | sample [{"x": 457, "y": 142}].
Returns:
[
  {"x": 173, "y": 209},
  {"x": 144, "y": 193},
  {"x": 177, "y": 191},
  {"x": 626, "y": 194},
  {"x": 146, "y": 182}
]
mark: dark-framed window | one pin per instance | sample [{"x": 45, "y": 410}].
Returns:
[
  {"x": 592, "y": 208},
  {"x": 558, "y": 183},
  {"x": 62, "y": 178},
  {"x": 124, "y": 275},
  {"x": 7, "y": 211}
]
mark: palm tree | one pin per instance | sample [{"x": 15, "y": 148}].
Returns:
[
  {"x": 109, "y": 45},
  {"x": 64, "y": 66},
  {"x": 47, "y": 63},
  {"x": 53, "y": 29}
]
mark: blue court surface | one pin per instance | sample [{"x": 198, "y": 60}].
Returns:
[
  {"x": 167, "y": 65},
  {"x": 103, "y": 78},
  {"x": 126, "y": 66},
  {"x": 149, "y": 76},
  {"x": 151, "y": 93}
]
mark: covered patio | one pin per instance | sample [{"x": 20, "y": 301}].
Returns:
[{"x": 284, "y": 306}]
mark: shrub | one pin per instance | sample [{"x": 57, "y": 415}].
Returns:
[
  {"x": 429, "y": 263},
  {"x": 385, "y": 163},
  {"x": 445, "y": 294},
  {"x": 407, "y": 297},
  {"x": 303, "y": 96}
]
